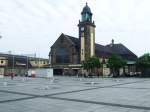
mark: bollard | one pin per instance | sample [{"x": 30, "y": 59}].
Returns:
[
  {"x": 92, "y": 83},
  {"x": 80, "y": 79},
  {"x": 52, "y": 80},
  {"x": 5, "y": 83},
  {"x": 23, "y": 80},
  {"x": 46, "y": 87}
]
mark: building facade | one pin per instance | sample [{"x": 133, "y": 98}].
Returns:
[
  {"x": 68, "y": 52},
  {"x": 19, "y": 65}
]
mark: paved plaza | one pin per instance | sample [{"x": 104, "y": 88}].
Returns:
[{"x": 72, "y": 94}]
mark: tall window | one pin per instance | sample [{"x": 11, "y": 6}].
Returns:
[{"x": 62, "y": 56}]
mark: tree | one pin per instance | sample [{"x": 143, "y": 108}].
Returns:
[
  {"x": 143, "y": 63},
  {"x": 91, "y": 64},
  {"x": 115, "y": 62}
]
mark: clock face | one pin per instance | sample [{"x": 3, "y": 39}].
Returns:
[{"x": 82, "y": 28}]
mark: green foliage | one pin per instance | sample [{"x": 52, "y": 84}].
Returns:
[
  {"x": 144, "y": 61},
  {"x": 143, "y": 64},
  {"x": 116, "y": 62},
  {"x": 91, "y": 63}
]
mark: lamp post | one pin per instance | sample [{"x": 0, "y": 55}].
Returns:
[
  {"x": 13, "y": 64},
  {"x": 27, "y": 64}
]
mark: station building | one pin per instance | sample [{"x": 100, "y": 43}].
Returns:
[{"x": 67, "y": 52}]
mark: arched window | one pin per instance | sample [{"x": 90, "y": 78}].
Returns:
[{"x": 62, "y": 56}]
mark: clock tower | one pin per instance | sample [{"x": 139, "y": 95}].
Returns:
[{"x": 86, "y": 34}]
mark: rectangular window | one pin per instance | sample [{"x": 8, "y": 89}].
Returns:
[{"x": 82, "y": 51}]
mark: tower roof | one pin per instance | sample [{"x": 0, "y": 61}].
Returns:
[{"x": 86, "y": 9}]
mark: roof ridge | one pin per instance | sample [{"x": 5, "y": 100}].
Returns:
[
  {"x": 70, "y": 36},
  {"x": 128, "y": 50}
]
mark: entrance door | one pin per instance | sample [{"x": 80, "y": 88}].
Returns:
[{"x": 58, "y": 71}]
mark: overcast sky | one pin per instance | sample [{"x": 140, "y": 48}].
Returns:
[{"x": 32, "y": 26}]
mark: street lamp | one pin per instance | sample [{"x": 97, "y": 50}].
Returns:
[
  {"x": 13, "y": 64},
  {"x": 27, "y": 63}
]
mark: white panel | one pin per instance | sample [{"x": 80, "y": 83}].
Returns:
[
  {"x": 92, "y": 44},
  {"x": 82, "y": 49}
]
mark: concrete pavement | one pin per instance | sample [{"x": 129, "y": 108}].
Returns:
[{"x": 72, "y": 94}]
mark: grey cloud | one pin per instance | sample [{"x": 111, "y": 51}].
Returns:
[{"x": 30, "y": 26}]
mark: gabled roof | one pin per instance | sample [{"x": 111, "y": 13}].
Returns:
[
  {"x": 75, "y": 41},
  {"x": 63, "y": 36},
  {"x": 123, "y": 51},
  {"x": 102, "y": 51},
  {"x": 106, "y": 51}
]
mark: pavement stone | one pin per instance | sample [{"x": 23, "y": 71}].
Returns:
[{"x": 72, "y": 94}]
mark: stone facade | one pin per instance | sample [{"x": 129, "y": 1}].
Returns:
[
  {"x": 64, "y": 48},
  {"x": 68, "y": 52},
  {"x": 87, "y": 37}
]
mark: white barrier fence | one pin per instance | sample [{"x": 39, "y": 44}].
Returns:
[{"x": 41, "y": 72}]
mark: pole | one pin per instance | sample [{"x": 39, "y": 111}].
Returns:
[
  {"x": 39, "y": 62},
  {"x": 27, "y": 64},
  {"x": 13, "y": 64}
]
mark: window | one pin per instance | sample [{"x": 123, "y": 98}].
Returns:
[
  {"x": 2, "y": 62},
  {"x": 86, "y": 17},
  {"x": 62, "y": 56},
  {"x": 82, "y": 52},
  {"x": 35, "y": 62},
  {"x": 82, "y": 28},
  {"x": 44, "y": 62}
]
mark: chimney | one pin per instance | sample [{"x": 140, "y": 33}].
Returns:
[{"x": 112, "y": 42}]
